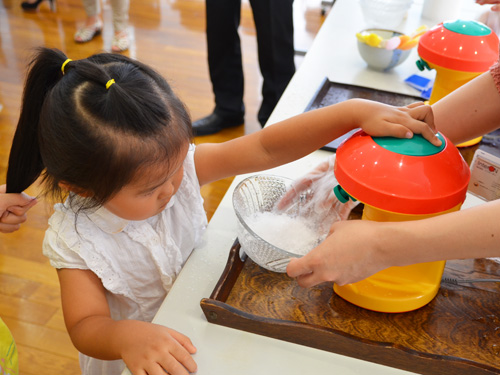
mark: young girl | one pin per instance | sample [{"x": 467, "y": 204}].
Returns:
[{"x": 110, "y": 131}]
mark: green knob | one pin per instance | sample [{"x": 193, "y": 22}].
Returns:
[
  {"x": 422, "y": 65},
  {"x": 342, "y": 195}
]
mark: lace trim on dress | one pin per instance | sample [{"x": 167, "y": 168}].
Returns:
[{"x": 70, "y": 248}]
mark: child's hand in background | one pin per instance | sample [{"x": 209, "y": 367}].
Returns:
[
  {"x": 491, "y": 17},
  {"x": 13, "y": 208},
  {"x": 495, "y": 7},
  {"x": 155, "y": 350}
]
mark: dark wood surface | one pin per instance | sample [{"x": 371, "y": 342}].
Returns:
[{"x": 458, "y": 332}]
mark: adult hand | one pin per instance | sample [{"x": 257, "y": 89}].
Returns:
[
  {"x": 349, "y": 254},
  {"x": 13, "y": 208}
]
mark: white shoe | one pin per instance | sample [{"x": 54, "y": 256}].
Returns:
[
  {"x": 87, "y": 33},
  {"x": 121, "y": 41}
]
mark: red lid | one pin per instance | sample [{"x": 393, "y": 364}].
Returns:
[
  {"x": 467, "y": 46},
  {"x": 409, "y": 176}
]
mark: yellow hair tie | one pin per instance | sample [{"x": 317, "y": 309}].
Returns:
[
  {"x": 64, "y": 64},
  {"x": 109, "y": 83}
]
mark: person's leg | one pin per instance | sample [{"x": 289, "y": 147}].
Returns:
[
  {"x": 93, "y": 11},
  {"x": 274, "y": 25},
  {"x": 31, "y": 5},
  {"x": 120, "y": 14},
  {"x": 93, "y": 23},
  {"x": 121, "y": 40},
  {"x": 225, "y": 67},
  {"x": 224, "y": 56}
]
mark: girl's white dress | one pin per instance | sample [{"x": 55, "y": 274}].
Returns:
[{"x": 137, "y": 261}]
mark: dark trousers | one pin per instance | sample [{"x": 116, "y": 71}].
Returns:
[{"x": 274, "y": 25}]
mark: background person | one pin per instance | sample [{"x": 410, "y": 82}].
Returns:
[{"x": 274, "y": 25}]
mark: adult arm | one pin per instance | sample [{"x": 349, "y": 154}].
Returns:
[
  {"x": 357, "y": 249},
  {"x": 470, "y": 111}
]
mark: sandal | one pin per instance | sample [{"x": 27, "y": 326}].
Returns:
[
  {"x": 87, "y": 33},
  {"x": 121, "y": 42}
]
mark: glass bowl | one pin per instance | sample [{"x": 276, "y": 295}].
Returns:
[{"x": 264, "y": 232}]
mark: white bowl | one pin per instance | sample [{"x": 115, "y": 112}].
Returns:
[
  {"x": 380, "y": 58},
  {"x": 384, "y": 13}
]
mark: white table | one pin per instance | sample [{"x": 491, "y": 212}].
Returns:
[{"x": 226, "y": 351}]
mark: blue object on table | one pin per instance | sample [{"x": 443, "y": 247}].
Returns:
[
  {"x": 426, "y": 94},
  {"x": 424, "y": 85}
]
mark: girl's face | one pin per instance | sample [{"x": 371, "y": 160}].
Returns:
[{"x": 149, "y": 195}]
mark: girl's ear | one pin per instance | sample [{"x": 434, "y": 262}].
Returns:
[{"x": 70, "y": 188}]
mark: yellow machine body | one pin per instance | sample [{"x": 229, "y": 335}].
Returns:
[{"x": 396, "y": 289}]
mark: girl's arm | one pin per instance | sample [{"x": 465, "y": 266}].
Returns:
[
  {"x": 359, "y": 248},
  {"x": 470, "y": 111},
  {"x": 144, "y": 347},
  {"x": 298, "y": 136}
]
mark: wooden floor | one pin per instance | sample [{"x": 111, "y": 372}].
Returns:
[{"x": 170, "y": 36}]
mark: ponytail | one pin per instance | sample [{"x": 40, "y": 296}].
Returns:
[
  {"x": 25, "y": 160},
  {"x": 90, "y": 133}
]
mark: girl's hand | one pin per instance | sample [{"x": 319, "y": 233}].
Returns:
[
  {"x": 145, "y": 348},
  {"x": 154, "y": 349},
  {"x": 13, "y": 208},
  {"x": 379, "y": 119},
  {"x": 349, "y": 254}
]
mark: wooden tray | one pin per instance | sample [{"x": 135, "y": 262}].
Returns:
[
  {"x": 456, "y": 333},
  {"x": 333, "y": 92}
]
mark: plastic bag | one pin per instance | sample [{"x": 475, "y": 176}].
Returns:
[{"x": 314, "y": 195}]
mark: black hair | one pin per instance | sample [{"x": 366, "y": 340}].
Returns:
[{"x": 73, "y": 129}]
